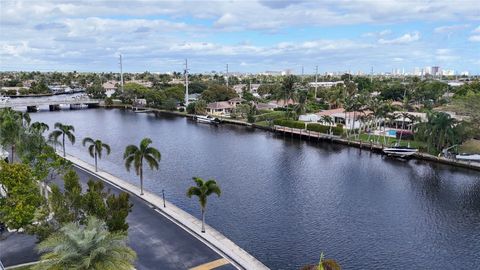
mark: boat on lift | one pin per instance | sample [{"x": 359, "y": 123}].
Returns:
[
  {"x": 468, "y": 157},
  {"x": 207, "y": 119},
  {"x": 400, "y": 151}
]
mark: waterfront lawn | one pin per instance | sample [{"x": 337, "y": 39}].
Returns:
[
  {"x": 262, "y": 123},
  {"x": 471, "y": 147},
  {"x": 392, "y": 141}
]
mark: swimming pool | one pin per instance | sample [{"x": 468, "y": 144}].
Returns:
[{"x": 392, "y": 133}]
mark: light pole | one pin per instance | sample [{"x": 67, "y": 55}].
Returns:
[{"x": 163, "y": 195}]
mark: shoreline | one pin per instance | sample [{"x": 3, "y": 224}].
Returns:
[
  {"x": 323, "y": 137},
  {"x": 240, "y": 258}
]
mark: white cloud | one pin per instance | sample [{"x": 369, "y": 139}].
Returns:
[
  {"x": 474, "y": 38},
  {"x": 476, "y": 30},
  {"x": 450, "y": 28},
  {"x": 404, "y": 39}
]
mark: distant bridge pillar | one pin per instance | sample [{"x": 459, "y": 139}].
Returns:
[
  {"x": 54, "y": 107},
  {"x": 32, "y": 108}
]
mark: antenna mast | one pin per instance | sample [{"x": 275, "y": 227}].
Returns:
[
  {"x": 227, "y": 75},
  {"x": 121, "y": 72},
  {"x": 316, "y": 81},
  {"x": 186, "y": 82}
]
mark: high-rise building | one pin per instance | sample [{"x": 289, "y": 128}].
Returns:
[{"x": 435, "y": 70}]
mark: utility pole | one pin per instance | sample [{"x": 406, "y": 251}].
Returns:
[
  {"x": 316, "y": 81},
  {"x": 302, "y": 74},
  {"x": 227, "y": 75},
  {"x": 371, "y": 75},
  {"x": 121, "y": 73},
  {"x": 186, "y": 82}
]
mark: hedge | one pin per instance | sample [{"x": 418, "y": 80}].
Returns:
[
  {"x": 269, "y": 116},
  {"x": 318, "y": 128},
  {"x": 338, "y": 130},
  {"x": 289, "y": 123}
]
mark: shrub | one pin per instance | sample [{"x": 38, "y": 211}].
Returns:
[
  {"x": 318, "y": 128},
  {"x": 289, "y": 123},
  {"x": 270, "y": 116},
  {"x": 338, "y": 130}
]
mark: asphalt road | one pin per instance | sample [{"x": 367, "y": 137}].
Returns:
[{"x": 158, "y": 242}]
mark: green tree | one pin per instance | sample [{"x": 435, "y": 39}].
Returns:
[
  {"x": 96, "y": 91},
  {"x": 202, "y": 191},
  {"x": 135, "y": 156},
  {"x": 63, "y": 130},
  {"x": 12, "y": 126},
  {"x": 216, "y": 92},
  {"x": 22, "y": 196},
  {"x": 439, "y": 131},
  {"x": 85, "y": 247},
  {"x": 288, "y": 91},
  {"x": 118, "y": 208},
  {"x": 95, "y": 149}
]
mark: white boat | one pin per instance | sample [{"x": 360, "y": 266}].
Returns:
[
  {"x": 4, "y": 99},
  {"x": 400, "y": 151},
  {"x": 207, "y": 119},
  {"x": 471, "y": 157}
]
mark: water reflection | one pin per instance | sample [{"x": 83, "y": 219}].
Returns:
[{"x": 286, "y": 200}]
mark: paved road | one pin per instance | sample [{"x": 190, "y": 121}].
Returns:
[{"x": 159, "y": 243}]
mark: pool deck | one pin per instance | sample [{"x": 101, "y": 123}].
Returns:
[{"x": 212, "y": 238}]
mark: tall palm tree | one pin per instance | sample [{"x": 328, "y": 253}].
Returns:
[
  {"x": 288, "y": 91},
  {"x": 39, "y": 126},
  {"x": 11, "y": 125},
  {"x": 136, "y": 155},
  {"x": 327, "y": 119},
  {"x": 62, "y": 130},
  {"x": 95, "y": 149},
  {"x": 86, "y": 247},
  {"x": 202, "y": 191}
]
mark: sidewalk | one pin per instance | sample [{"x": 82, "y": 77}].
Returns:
[{"x": 239, "y": 257}]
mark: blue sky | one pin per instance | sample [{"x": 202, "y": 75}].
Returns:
[{"x": 249, "y": 35}]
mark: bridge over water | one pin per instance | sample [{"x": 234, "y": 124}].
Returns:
[{"x": 53, "y": 104}]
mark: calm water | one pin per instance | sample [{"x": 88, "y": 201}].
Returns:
[{"x": 285, "y": 200}]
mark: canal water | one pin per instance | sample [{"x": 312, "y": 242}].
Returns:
[{"x": 285, "y": 200}]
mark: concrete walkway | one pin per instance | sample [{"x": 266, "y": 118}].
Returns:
[{"x": 212, "y": 238}]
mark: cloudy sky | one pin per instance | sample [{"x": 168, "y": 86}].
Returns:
[{"x": 249, "y": 35}]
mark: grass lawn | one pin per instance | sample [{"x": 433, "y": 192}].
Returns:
[
  {"x": 392, "y": 141},
  {"x": 262, "y": 123},
  {"x": 471, "y": 146}
]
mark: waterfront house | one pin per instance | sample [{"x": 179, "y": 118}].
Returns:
[
  {"x": 266, "y": 106},
  {"x": 110, "y": 87},
  {"x": 220, "y": 108},
  {"x": 350, "y": 120},
  {"x": 282, "y": 103},
  {"x": 235, "y": 101}
]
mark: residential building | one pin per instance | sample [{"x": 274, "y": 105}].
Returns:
[{"x": 220, "y": 108}]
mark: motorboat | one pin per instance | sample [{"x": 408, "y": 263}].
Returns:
[
  {"x": 207, "y": 119},
  {"x": 400, "y": 151},
  {"x": 468, "y": 157}
]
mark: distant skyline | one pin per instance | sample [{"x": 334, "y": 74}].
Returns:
[{"x": 251, "y": 36}]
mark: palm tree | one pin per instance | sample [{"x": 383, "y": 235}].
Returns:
[
  {"x": 11, "y": 125},
  {"x": 86, "y": 247},
  {"x": 327, "y": 119},
  {"x": 63, "y": 130},
  {"x": 440, "y": 130},
  {"x": 202, "y": 191},
  {"x": 95, "y": 149},
  {"x": 136, "y": 155},
  {"x": 39, "y": 126},
  {"x": 300, "y": 108},
  {"x": 288, "y": 91}
]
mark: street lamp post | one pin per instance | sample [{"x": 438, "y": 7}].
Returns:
[{"x": 163, "y": 195}]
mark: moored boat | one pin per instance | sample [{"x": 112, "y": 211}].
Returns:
[
  {"x": 207, "y": 119},
  {"x": 468, "y": 157},
  {"x": 400, "y": 151}
]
